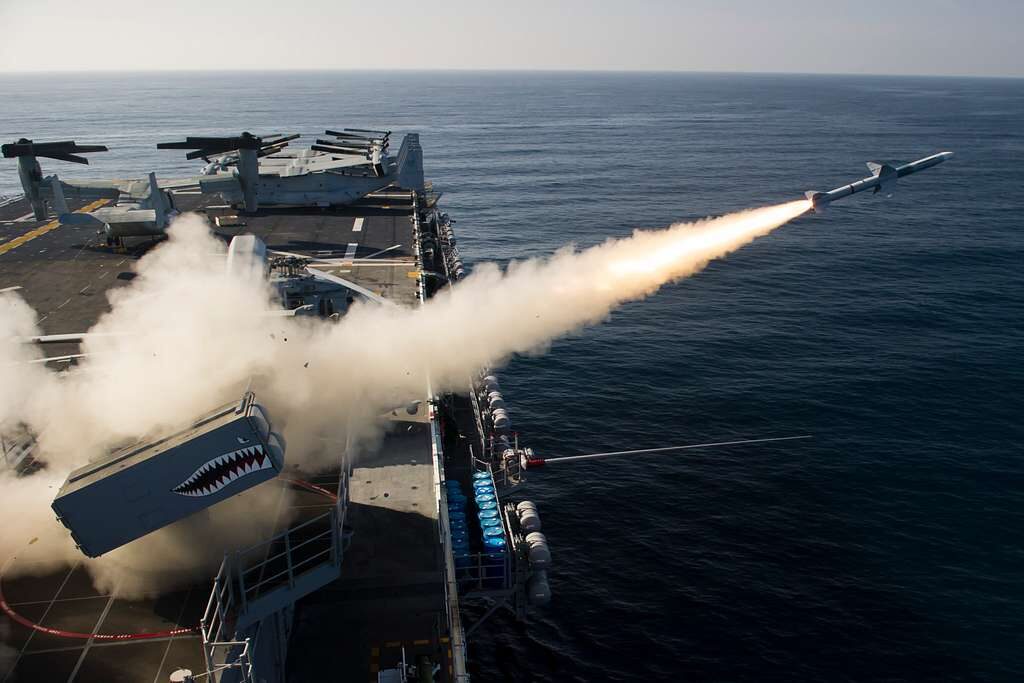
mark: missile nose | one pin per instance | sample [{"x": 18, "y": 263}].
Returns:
[{"x": 945, "y": 155}]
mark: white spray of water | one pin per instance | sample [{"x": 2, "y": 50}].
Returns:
[{"x": 186, "y": 335}]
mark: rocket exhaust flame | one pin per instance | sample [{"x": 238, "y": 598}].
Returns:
[
  {"x": 710, "y": 239},
  {"x": 188, "y": 335}
]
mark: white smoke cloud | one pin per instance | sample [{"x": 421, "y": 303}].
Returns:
[
  {"x": 182, "y": 339},
  {"x": 186, "y": 336}
]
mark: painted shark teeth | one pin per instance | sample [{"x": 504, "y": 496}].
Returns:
[{"x": 217, "y": 473}]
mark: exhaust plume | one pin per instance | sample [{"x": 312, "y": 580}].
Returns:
[{"x": 186, "y": 335}]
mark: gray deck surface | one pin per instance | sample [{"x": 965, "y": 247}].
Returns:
[
  {"x": 391, "y": 589},
  {"x": 391, "y": 592}
]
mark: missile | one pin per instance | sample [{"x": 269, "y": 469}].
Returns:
[{"x": 882, "y": 179}]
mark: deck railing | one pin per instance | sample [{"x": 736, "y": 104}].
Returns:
[{"x": 257, "y": 582}]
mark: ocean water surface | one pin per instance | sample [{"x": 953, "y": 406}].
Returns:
[{"x": 891, "y": 546}]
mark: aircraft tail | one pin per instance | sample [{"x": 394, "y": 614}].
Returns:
[
  {"x": 158, "y": 201},
  {"x": 64, "y": 213},
  {"x": 410, "y": 163}
]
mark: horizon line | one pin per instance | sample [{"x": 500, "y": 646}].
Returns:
[{"x": 257, "y": 70}]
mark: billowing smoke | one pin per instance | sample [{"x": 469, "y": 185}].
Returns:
[
  {"x": 186, "y": 335},
  {"x": 183, "y": 338}
]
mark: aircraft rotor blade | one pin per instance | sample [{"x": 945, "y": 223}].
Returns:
[{"x": 62, "y": 150}]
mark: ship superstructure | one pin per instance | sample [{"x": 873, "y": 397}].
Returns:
[{"x": 366, "y": 575}]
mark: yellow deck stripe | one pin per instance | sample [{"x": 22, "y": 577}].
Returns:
[{"x": 52, "y": 225}]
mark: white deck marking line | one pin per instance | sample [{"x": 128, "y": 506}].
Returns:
[
  {"x": 384, "y": 262},
  {"x": 28, "y": 641},
  {"x": 289, "y": 253},
  {"x": 10, "y": 289},
  {"x": 170, "y": 641},
  {"x": 58, "y": 600},
  {"x": 351, "y": 285},
  {"x": 95, "y": 629},
  {"x": 358, "y": 225},
  {"x": 59, "y": 359},
  {"x": 22, "y": 219},
  {"x": 378, "y": 253},
  {"x": 350, "y": 252},
  {"x": 64, "y": 304}
]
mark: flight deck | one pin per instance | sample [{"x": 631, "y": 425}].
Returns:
[
  {"x": 366, "y": 570},
  {"x": 65, "y": 273}
]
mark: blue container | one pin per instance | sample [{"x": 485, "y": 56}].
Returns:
[
  {"x": 489, "y": 522},
  {"x": 487, "y": 505},
  {"x": 494, "y": 531},
  {"x": 488, "y": 514},
  {"x": 484, "y": 497},
  {"x": 477, "y": 483},
  {"x": 481, "y": 475},
  {"x": 494, "y": 544},
  {"x": 481, "y": 490}
]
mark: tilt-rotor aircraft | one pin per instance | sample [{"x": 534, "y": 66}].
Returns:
[{"x": 247, "y": 172}]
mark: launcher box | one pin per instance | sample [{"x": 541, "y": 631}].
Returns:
[{"x": 144, "y": 487}]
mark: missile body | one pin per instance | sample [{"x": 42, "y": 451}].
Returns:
[{"x": 882, "y": 179}]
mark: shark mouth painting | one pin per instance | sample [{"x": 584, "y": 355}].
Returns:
[{"x": 221, "y": 471}]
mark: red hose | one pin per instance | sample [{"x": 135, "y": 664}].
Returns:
[
  {"x": 302, "y": 484},
  {"x": 27, "y": 623},
  {"x": 85, "y": 636}
]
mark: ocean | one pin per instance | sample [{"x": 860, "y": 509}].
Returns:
[{"x": 889, "y": 547}]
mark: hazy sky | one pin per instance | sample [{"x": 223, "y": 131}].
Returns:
[{"x": 984, "y": 37}]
